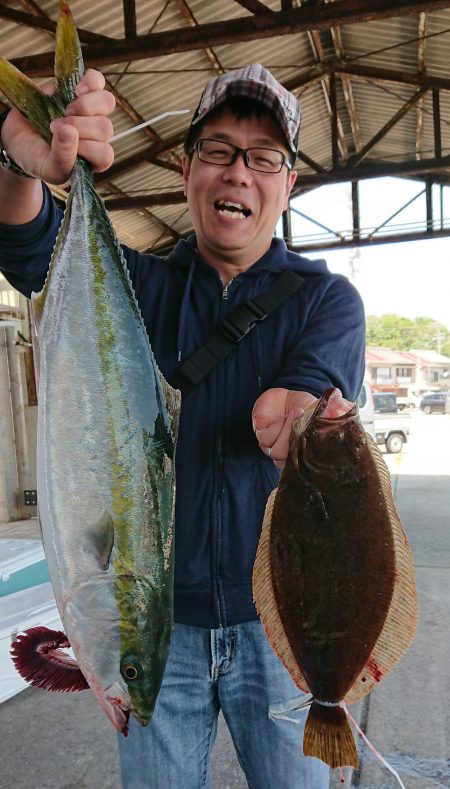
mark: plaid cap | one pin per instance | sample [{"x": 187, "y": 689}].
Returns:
[{"x": 253, "y": 82}]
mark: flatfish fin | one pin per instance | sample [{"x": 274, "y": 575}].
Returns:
[
  {"x": 265, "y": 600},
  {"x": 401, "y": 621}
]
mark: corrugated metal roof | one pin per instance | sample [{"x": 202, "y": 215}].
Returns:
[{"x": 399, "y": 50}]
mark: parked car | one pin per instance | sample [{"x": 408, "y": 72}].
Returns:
[
  {"x": 436, "y": 403},
  {"x": 385, "y": 402},
  {"x": 390, "y": 429}
]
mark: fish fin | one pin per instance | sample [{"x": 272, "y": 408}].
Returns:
[
  {"x": 328, "y": 736},
  {"x": 265, "y": 602},
  {"x": 37, "y": 656},
  {"x": 101, "y": 539},
  {"x": 172, "y": 399},
  {"x": 401, "y": 621},
  {"x": 38, "y": 108},
  {"x": 69, "y": 66}
]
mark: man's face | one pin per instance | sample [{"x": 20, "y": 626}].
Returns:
[{"x": 233, "y": 237}]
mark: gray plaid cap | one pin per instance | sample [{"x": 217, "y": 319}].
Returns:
[{"x": 253, "y": 82}]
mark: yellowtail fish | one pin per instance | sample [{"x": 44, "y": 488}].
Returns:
[
  {"x": 333, "y": 579},
  {"x": 107, "y": 422}
]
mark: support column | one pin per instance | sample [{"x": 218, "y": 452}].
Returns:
[
  {"x": 9, "y": 488},
  {"x": 17, "y": 386}
]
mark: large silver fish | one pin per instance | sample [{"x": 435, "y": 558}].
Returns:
[{"x": 106, "y": 439}]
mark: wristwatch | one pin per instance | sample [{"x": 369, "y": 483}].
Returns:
[{"x": 5, "y": 160}]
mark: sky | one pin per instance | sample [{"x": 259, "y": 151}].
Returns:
[{"x": 412, "y": 278}]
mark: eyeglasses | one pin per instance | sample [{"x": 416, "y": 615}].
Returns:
[{"x": 264, "y": 160}]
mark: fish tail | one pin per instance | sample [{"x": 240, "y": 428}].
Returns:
[
  {"x": 69, "y": 66},
  {"x": 39, "y": 108},
  {"x": 328, "y": 736}
]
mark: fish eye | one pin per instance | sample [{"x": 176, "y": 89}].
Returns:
[{"x": 130, "y": 668}]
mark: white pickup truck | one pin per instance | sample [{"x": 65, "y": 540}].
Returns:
[{"x": 392, "y": 430}]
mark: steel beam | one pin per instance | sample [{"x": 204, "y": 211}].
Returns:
[{"x": 258, "y": 26}]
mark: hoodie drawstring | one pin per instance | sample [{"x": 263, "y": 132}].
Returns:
[{"x": 184, "y": 309}]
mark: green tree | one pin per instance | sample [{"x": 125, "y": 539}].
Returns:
[{"x": 401, "y": 334}]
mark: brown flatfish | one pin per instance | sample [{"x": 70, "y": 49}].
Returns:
[{"x": 333, "y": 579}]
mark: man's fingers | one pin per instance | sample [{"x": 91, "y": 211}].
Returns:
[
  {"x": 100, "y": 155},
  {"x": 274, "y": 439},
  {"x": 63, "y": 152},
  {"x": 267, "y": 436},
  {"x": 91, "y": 80},
  {"x": 93, "y": 103},
  {"x": 280, "y": 448},
  {"x": 98, "y": 128},
  {"x": 86, "y": 137}
]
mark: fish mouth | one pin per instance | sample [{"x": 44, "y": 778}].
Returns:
[
  {"x": 232, "y": 209},
  {"x": 331, "y": 408},
  {"x": 118, "y": 710}
]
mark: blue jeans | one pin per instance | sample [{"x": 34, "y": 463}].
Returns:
[{"x": 233, "y": 669}]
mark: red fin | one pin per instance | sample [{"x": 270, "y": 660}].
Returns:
[{"x": 38, "y": 658}]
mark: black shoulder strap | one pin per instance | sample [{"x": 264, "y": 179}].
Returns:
[{"x": 232, "y": 330}]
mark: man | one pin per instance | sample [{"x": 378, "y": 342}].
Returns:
[{"x": 234, "y": 425}]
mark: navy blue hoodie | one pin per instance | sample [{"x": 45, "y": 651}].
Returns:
[{"x": 313, "y": 341}]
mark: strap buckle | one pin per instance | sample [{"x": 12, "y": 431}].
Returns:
[{"x": 242, "y": 320}]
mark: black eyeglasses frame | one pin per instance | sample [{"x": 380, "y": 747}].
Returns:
[{"x": 238, "y": 152}]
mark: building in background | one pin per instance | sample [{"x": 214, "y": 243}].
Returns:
[
  {"x": 409, "y": 374},
  {"x": 18, "y": 408}
]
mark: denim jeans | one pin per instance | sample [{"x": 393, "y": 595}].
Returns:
[{"x": 234, "y": 670}]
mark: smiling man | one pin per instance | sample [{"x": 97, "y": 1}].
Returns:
[{"x": 236, "y": 419}]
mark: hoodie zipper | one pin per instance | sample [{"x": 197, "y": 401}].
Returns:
[
  {"x": 217, "y": 535},
  {"x": 225, "y": 290}
]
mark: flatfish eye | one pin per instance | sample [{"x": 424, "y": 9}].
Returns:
[{"x": 130, "y": 668}]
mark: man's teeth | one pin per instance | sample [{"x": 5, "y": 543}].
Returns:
[{"x": 234, "y": 210}]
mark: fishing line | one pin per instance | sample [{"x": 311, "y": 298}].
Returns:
[
  {"x": 372, "y": 748},
  {"x": 147, "y": 123},
  {"x": 279, "y": 715}
]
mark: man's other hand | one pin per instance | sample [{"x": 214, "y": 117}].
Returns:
[{"x": 273, "y": 415}]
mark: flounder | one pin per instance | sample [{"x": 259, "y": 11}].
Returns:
[{"x": 333, "y": 578}]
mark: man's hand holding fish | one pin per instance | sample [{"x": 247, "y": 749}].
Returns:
[
  {"x": 273, "y": 415},
  {"x": 85, "y": 131}
]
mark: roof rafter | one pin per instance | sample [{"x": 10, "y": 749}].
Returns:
[
  {"x": 191, "y": 20},
  {"x": 353, "y": 160},
  {"x": 408, "y": 169},
  {"x": 39, "y": 20},
  {"x": 250, "y": 28},
  {"x": 376, "y": 74},
  {"x": 129, "y": 18},
  {"x": 255, "y": 6}
]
